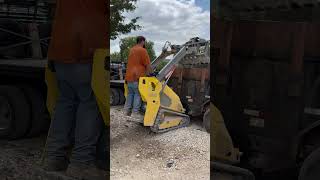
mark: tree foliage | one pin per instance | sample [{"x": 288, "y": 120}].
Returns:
[
  {"x": 115, "y": 57},
  {"x": 118, "y": 23},
  {"x": 128, "y": 42}
]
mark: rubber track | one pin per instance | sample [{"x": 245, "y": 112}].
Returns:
[{"x": 158, "y": 121}]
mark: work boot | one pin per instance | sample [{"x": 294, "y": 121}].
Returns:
[
  {"x": 55, "y": 165},
  {"x": 126, "y": 113},
  {"x": 136, "y": 117},
  {"x": 86, "y": 172}
]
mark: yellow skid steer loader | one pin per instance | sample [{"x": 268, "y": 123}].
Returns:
[{"x": 164, "y": 110}]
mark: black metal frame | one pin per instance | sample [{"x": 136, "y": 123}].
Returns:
[
  {"x": 36, "y": 11},
  {"x": 26, "y": 12}
]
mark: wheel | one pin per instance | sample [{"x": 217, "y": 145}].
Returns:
[
  {"x": 114, "y": 97},
  {"x": 310, "y": 169},
  {"x": 5, "y": 116},
  {"x": 206, "y": 120},
  {"x": 122, "y": 99},
  {"x": 14, "y": 113},
  {"x": 36, "y": 101}
]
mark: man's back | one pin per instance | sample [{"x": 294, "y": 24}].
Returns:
[
  {"x": 138, "y": 60},
  {"x": 80, "y": 27}
]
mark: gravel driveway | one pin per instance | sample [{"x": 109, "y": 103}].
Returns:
[{"x": 137, "y": 153}]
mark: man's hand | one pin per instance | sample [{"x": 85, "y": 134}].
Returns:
[
  {"x": 149, "y": 69},
  {"x": 153, "y": 74}
]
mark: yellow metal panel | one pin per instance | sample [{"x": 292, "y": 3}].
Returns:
[
  {"x": 176, "y": 104},
  {"x": 125, "y": 89},
  {"x": 222, "y": 148},
  {"x": 149, "y": 88},
  {"x": 100, "y": 83},
  {"x": 175, "y": 121},
  {"x": 52, "y": 90}
]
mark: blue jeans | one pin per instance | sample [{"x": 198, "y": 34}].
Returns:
[
  {"x": 77, "y": 119},
  {"x": 133, "y": 101}
]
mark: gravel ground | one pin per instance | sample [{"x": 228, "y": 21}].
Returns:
[
  {"x": 137, "y": 153},
  {"x": 19, "y": 160}
]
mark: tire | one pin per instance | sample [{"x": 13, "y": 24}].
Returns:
[
  {"x": 114, "y": 97},
  {"x": 310, "y": 169},
  {"x": 36, "y": 101},
  {"x": 206, "y": 120},
  {"x": 122, "y": 99},
  {"x": 19, "y": 112}
]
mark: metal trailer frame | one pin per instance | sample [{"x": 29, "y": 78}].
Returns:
[
  {"x": 275, "y": 136},
  {"x": 32, "y": 13},
  {"x": 27, "y": 11}
]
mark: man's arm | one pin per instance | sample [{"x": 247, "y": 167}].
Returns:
[
  {"x": 146, "y": 62},
  {"x": 149, "y": 69}
]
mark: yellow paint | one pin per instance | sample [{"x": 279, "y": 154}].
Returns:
[
  {"x": 176, "y": 104},
  {"x": 221, "y": 142},
  {"x": 52, "y": 90},
  {"x": 100, "y": 83},
  {"x": 125, "y": 89},
  {"x": 150, "y": 90},
  {"x": 171, "y": 123}
]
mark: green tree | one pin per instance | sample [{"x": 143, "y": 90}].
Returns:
[
  {"x": 128, "y": 42},
  {"x": 115, "y": 57},
  {"x": 118, "y": 24}
]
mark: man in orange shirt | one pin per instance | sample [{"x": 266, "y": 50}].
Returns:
[
  {"x": 79, "y": 28},
  {"x": 138, "y": 66}
]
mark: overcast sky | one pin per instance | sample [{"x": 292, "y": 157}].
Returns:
[{"x": 173, "y": 20}]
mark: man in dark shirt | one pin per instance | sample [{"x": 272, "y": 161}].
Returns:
[{"x": 79, "y": 28}]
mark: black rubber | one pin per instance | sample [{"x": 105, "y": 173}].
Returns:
[
  {"x": 39, "y": 122},
  {"x": 122, "y": 98},
  {"x": 206, "y": 120},
  {"x": 20, "y": 111},
  {"x": 310, "y": 169},
  {"x": 114, "y": 99}
]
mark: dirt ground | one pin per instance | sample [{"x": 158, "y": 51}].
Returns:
[
  {"x": 137, "y": 153},
  {"x": 19, "y": 160}
]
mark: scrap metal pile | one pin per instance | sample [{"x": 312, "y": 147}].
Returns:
[{"x": 200, "y": 54}]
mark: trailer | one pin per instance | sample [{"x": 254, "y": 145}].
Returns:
[
  {"x": 117, "y": 74},
  {"x": 191, "y": 82},
  {"x": 266, "y": 85},
  {"x": 24, "y": 38}
]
